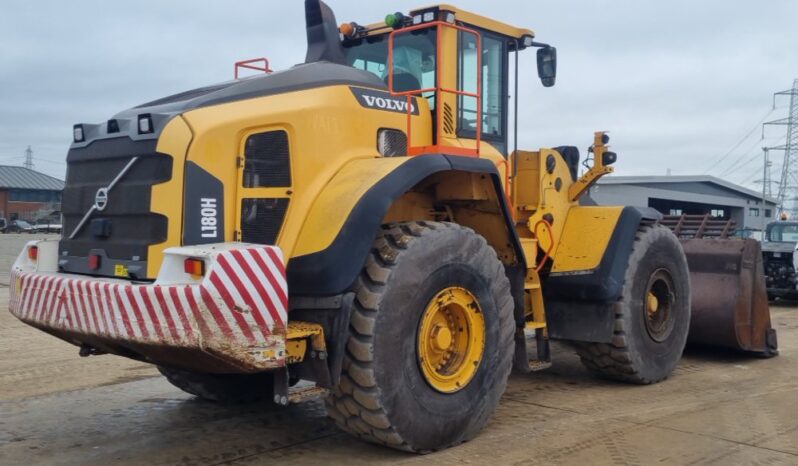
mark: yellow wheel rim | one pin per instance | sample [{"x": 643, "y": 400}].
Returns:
[{"x": 451, "y": 339}]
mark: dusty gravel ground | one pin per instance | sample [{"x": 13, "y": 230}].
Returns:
[
  {"x": 717, "y": 408},
  {"x": 34, "y": 363}
]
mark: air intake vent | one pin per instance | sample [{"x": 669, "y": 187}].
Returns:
[
  {"x": 392, "y": 143},
  {"x": 261, "y": 219},
  {"x": 448, "y": 119},
  {"x": 266, "y": 160}
]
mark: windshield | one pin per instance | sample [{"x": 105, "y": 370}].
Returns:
[
  {"x": 413, "y": 58},
  {"x": 23, "y": 223},
  {"x": 782, "y": 232}
]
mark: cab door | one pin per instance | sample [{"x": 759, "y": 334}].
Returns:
[
  {"x": 264, "y": 185},
  {"x": 492, "y": 68}
]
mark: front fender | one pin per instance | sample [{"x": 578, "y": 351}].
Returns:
[
  {"x": 342, "y": 224},
  {"x": 588, "y": 273}
]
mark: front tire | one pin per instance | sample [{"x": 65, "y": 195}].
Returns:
[
  {"x": 431, "y": 339},
  {"x": 652, "y": 318}
]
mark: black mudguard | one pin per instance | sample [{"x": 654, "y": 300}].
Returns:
[{"x": 580, "y": 306}]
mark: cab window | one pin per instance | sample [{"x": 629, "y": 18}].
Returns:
[
  {"x": 414, "y": 55},
  {"x": 494, "y": 78},
  {"x": 783, "y": 233}
]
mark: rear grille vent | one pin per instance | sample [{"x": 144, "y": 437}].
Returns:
[
  {"x": 266, "y": 160},
  {"x": 448, "y": 119},
  {"x": 391, "y": 143},
  {"x": 261, "y": 219},
  {"x": 128, "y": 225}
]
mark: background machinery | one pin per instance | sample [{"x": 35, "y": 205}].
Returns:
[
  {"x": 778, "y": 251},
  {"x": 363, "y": 222}
]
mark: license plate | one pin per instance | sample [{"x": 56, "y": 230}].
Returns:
[
  {"x": 776, "y": 254},
  {"x": 120, "y": 270}
]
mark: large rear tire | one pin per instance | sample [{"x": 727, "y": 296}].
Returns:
[
  {"x": 221, "y": 388},
  {"x": 652, "y": 318},
  {"x": 431, "y": 339}
]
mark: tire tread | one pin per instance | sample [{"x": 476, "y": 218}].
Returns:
[
  {"x": 355, "y": 404},
  {"x": 614, "y": 360}
]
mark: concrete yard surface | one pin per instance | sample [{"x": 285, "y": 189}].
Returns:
[{"x": 717, "y": 408}]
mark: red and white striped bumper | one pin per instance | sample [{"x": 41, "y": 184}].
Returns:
[{"x": 233, "y": 319}]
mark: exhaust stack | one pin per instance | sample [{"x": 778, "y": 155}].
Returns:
[{"x": 324, "y": 43}]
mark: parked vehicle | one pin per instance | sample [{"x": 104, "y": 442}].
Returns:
[
  {"x": 3, "y": 225},
  {"x": 47, "y": 226},
  {"x": 19, "y": 226},
  {"x": 777, "y": 251}
]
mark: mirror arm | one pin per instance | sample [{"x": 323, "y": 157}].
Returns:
[{"x": 539, "y": 45}]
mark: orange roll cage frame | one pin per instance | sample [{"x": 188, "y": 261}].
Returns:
[{"x": 438, "y": 146}]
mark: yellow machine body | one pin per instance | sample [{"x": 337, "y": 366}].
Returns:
[
  {"x": 334, "y": 163},
  {"x": 368, "y": 224}
]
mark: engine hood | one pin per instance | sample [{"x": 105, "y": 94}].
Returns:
[{"x": 297, "y": 78}]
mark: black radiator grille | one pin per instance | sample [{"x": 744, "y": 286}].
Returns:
[
  {"x": 129, "y": 225},
  {"x": 261, "y": 219},
  {"x": 266, "y": 160}
]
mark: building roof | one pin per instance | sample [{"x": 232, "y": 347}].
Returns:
[
  {"x": 24, "y": 178},
  {"x": 684, "y": 179}
]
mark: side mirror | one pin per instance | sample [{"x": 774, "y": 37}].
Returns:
[{"x": 547, "y": 65}]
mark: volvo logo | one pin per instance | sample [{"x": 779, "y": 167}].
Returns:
[
  {"x": 101, "y": 199},
  {"x": 380, "y": 100}
]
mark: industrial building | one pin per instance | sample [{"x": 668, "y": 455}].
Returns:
[
  {"x": 676, "y": 195},
  {"x": 27, "y": 194}
]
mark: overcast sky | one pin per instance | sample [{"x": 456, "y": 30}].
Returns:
[{"x": 678, "y": 83}]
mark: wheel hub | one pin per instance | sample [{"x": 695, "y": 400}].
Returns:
[
  {"x": 652, "y": 302},
  {"x": 659, "y": 301},
  {"x": 451, "y": 339},
  {"x": 442, "y": 337}
]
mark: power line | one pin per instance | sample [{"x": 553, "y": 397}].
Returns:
[
  {"x": 736, "y": 164},
  {"x": 740, "y": 142},
  {"x": 56, "y": 162},
  {"x": 754, "y": 158},
  {"x": 752, "y": 150}
]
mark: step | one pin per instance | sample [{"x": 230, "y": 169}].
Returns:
[
  {"x": 302, "y": 393},
  {"x": 538, "y": 365}
]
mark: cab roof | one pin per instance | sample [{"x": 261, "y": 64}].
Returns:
[{"x": 469, "y": 18}]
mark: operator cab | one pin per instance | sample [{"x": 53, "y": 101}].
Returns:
[{"x": 432, "y": 53}]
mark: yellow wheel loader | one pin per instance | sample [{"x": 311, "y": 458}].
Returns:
[{"x": 361, "y": 227}]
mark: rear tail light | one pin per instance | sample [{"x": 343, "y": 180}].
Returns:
[
  {"x": 194, "y": 267},
  {"x": 94, "y": 262},
  {"x": 33, "y": 253}
]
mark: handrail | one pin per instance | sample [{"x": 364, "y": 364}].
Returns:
[
  {"x": 248, "y": 65},
  {"x": 438, "y": 90}
]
